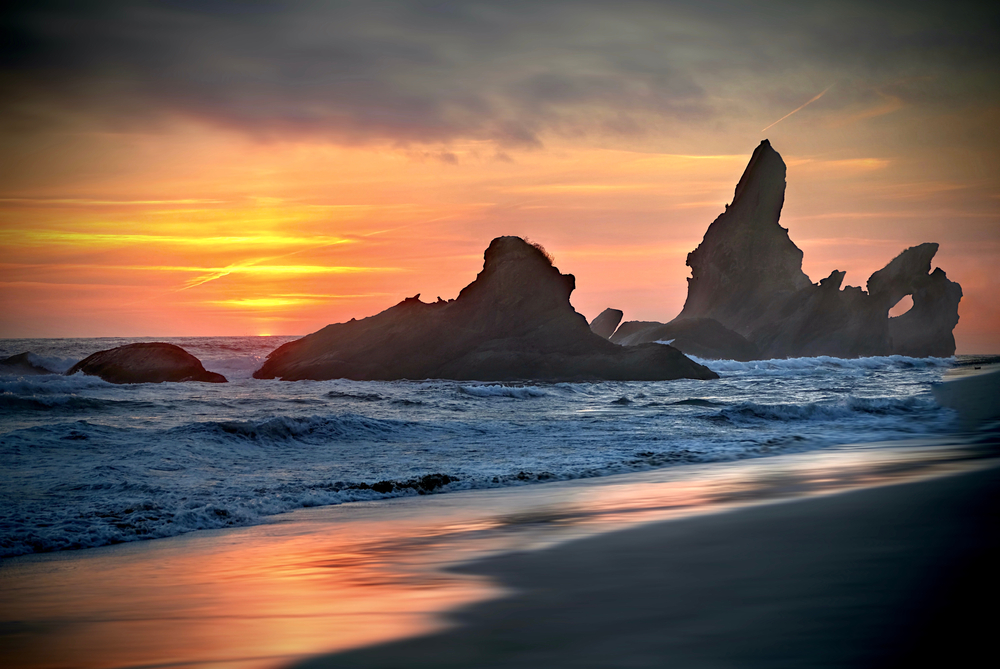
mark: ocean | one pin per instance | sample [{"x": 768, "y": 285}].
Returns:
[{"x": 87, "y": 463}]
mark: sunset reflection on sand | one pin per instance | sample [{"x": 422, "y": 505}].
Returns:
[{"x": 333, "y": 578}]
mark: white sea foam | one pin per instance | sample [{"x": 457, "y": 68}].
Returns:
[{"x": 808, "y": 365}]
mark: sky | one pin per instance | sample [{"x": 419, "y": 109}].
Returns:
[{"x": 250, "y": 168}]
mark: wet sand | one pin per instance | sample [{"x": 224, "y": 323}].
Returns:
[
  {"x": 345, "y": 577},
  {"x": 901, "y": 575}
]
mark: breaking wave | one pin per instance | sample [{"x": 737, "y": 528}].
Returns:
[
  {"x": 824, "y": 362},
  {"x": 850, "y": 408},
  {"x": 517, "y": 392},
  {"x": 342, "y": 427}
]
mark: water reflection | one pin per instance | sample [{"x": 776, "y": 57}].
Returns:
[{"x": 332, "y": 578}]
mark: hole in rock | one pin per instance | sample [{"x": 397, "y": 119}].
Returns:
[{"x": 902, "y": 306}]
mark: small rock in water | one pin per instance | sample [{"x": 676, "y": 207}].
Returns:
[{"x": 153, "y": 362}]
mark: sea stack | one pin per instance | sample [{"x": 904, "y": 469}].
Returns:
[
  {"x": 153, "y": 362},
  {"x": 514, "y": 322},
  {"x": 748, "y": 296},
  {"x": 746, "y": 266}
]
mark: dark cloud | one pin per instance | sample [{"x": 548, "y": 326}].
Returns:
[{"x": 510, "y": 71}]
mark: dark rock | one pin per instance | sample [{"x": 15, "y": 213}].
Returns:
[
  {"x": 747, "y": 275},
  {"x": 513, "y": 322},
  {"x": 821, "y": 319},
  {"x": 746, "y": 266},
  {"x": 927, "y": 328},
  {"x": 701, "y": 337},
  {"x": 606, "y": 322},
  {"x": 153, "y": 362},
  {"x": 23, "y": 364},
  {"x": 626, "y": 334},
  {"x": 902, "y": 275}
]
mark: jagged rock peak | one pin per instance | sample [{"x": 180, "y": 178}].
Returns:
[
  {"x": 747, "y": 291},
  {"x": 513, "y": 322},
  {"x": 746, "y": 261},
  {"x": 763, "y": 180},
  {"x": 504, "y": 249}
]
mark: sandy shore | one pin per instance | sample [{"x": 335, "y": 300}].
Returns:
[
  {"x": 736, "y": 572},
  {"x": 900, "y": 575}
]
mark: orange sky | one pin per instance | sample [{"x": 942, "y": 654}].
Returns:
[{"x": 193, "y": 224}]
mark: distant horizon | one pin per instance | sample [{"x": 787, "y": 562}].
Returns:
[{"x": 262, "y": 336}]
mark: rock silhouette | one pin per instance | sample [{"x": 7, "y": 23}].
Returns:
[
  {"x": 514, "y": 322},
  {"x": 927, "y": 328},
  {"x": 746, "y": 276},
  {"x": 701, "y": 337},
  {"x": 153, "y": 362},
  {"x": 606, "y": 322}
]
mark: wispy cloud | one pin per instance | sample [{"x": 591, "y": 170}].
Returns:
[
  {"x": 21, "y": 237},
  {"x": 86, "y": 202}
]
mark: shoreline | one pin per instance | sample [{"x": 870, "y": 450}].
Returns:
[
  {"x": 896, "y": 575},
  {"x": 350, "y": 575}
]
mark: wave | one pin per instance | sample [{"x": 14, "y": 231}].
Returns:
[
  {"x": 798, "y": 365},
  {"x": 129, "y": 512},
  {"x": 155, "y": 460},
  {"x": 52, "y": 364},
  {"x": 52, "y": 384},
  {"x": 365, "y": 397},
  {"x": 14, "y": 402},
  {"x": 517, "y": 392},
  {"x": 280, "y": 428},
  {"x": 751, "y": 411},
  {"x": 697, "y": 402}
]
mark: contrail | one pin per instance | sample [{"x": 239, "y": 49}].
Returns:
[{"x": 799, "y": 109}]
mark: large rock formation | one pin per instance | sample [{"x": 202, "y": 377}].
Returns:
[
  {"x": 746, "y": 275},
  {"x": 926, "y": 329},
  {"x": 746, "y": 266},
  {"x": 145, "y": 363},
  {"x": 513, "y": 322}
]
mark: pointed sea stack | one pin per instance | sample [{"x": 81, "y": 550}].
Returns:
[
  {"x": 514, "y": 322},
  {"x": 746, "y": 265},
  {"x": 153, "y": 362},
  {"x": 747, "y": 278}
]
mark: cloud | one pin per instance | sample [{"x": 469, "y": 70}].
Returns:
[{"x": 511, "y": 72}]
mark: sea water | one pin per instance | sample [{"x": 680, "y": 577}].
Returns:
[{"x": 88, "y": 463}]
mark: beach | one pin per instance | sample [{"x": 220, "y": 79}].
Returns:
[
  {"x": 259, "y": 524},
  {"x": 805, "y": 558},
  {"x": 900, "y": 575},
  {"x": 492, "y": 334}
]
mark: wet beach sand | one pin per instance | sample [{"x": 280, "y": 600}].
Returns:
[
  {"x": 902, "y": 575},
  {"x": 864, "y": 555}
]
